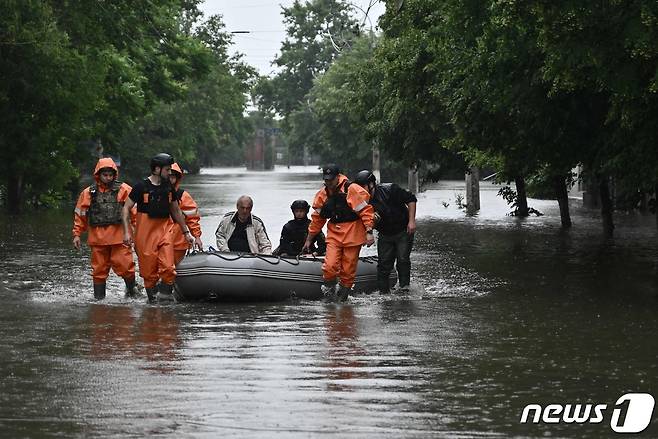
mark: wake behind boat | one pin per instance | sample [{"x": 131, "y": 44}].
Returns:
[{"x": 220, "y": 276}]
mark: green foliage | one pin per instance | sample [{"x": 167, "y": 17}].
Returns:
[
  {"x": 531, "y": 88},
  {"x": 317, "y": 32},
  {"x": 141, "y": 77},
  {"x": 335, "y": 104},
  {"x": 205, "y": 125},
  {"x": 47, "y": 87}
]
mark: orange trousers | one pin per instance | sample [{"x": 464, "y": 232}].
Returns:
[
  {"x": 341, "y": 262},
  {"x": 179, "y": 255},
  {"x": 118, "y": 257},
  {"x": 155, "y": 252}
]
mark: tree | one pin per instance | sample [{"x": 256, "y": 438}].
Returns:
[
  {"x": 46, "y": 89},
  {"x": 608, "y": 48},
  {"x": 317, "y": 31},
  {"x": 206, "y": 122},
  {"x": 341, "y": 135},
  {"x": 137, "y": 76}
]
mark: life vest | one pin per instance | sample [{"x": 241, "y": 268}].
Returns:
[
  {"x": 105, "y": 208},
  {"x": 336, "y": 209},
  {"x": 157, "y": 203}
]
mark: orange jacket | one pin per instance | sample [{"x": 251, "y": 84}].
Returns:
[
  {"x": 191, "y": 212},
  {"x": 350, "y": 233},
  {"x": 101, "y": 235}
]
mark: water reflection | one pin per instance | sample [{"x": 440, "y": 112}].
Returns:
[
  {"x": 111, "y": 329},
  {"x": 398, "y": 309},
  {"x": 344, "y": 356},
  {"x": 151, "y": 334}
]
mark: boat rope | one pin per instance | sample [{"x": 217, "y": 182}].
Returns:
[
  {"x": 265, "y": 258},
  {"x": 268, "y": 258}
]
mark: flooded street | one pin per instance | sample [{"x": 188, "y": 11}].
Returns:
[{"x": 502, "y": 313}]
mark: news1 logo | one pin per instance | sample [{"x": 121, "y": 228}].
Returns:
[{"x": 631, "y": 413}]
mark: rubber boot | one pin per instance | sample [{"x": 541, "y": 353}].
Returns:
[
  {"x": 131, "y": 288},
  {"x": 165, "y": 292},
  {"x": 99, "y": 291},
  {"x": 329, "y": 290},
  {"x": 383, "y": 286},
  {"x": 343, "y": 293},
  {"x": 403, "y": 289},
  {"x": 151, "y": 293}
]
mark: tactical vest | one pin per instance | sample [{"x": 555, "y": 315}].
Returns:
[
  {"x": 105, "y": 208},
  {"x": 158, "y": 199},
  {"x": 336, "y": 209}
]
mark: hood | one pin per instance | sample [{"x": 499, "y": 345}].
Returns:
[
  {"x": 177, "y": 168},
  {"x": 342, "y": 179},
  {"x": 106, "y": 162}
]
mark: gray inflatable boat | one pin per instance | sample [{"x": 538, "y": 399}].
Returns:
[{"x": 215, "y": 276}]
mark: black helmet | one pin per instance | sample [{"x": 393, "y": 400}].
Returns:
[
  {"x": 364, "y": 177},
  {"x": 300, "y": 204},
  {"x": 160, "y": 160}
]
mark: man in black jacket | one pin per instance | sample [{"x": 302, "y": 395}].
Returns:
[
  {"x": 395, "y": 221},
  {"x": 293, "y": 234}
]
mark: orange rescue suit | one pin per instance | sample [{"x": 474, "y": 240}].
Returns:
[
  {"x": 106, "y": 242},
  {"x": 191, "y": 213},
  {"x": 344, "y": 240},
  {"x": 153, "y": 238}
]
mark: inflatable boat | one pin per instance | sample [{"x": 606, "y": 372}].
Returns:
[{"x": 219, "y": 276}]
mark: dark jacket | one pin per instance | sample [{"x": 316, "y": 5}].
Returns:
[
  {"x": 390, "y": 203},
  {"x": 293, "y": 236}
]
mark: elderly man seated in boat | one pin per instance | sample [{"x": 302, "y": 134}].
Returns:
[{"x": 240, "y": 231}]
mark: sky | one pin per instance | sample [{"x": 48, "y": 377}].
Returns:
[{"x": 264, "y": 21}]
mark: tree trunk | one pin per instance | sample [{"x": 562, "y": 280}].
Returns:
[
  {"x": 14, "y": 193},
  {"x": 606, "y": 206},
  {"x": 560, "y": 186},
  {"x": 521, "y": 197},
  {"x": 473, "y": 190},
  {"x": 655, "y": 206}
]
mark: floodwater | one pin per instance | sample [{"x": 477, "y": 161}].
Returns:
[{"x": 503, "y": 313}]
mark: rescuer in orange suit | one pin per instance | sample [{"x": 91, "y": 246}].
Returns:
[
  {"x": 191, "y": 212},
  {"x": 156, "y": 202},
  {"x": 351, "y": 219},
  {"x": 98, "y": 210}
]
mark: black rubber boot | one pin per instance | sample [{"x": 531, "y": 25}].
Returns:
[
  {"x": 343, "y": 293},
  {"x": 165, "y": 293},
  {"x": 99, "y": 291},
  {"x": 329, "y": 290},
  {"x": 383, "y": 286},
  {"x": 131, "y": 288},
  {"x": 151, "y": 293}
]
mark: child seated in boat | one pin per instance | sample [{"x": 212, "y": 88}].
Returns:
[{"x": 293, "y": 234}]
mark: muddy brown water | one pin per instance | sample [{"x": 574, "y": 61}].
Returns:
[{"x": 502, "y": 313}]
